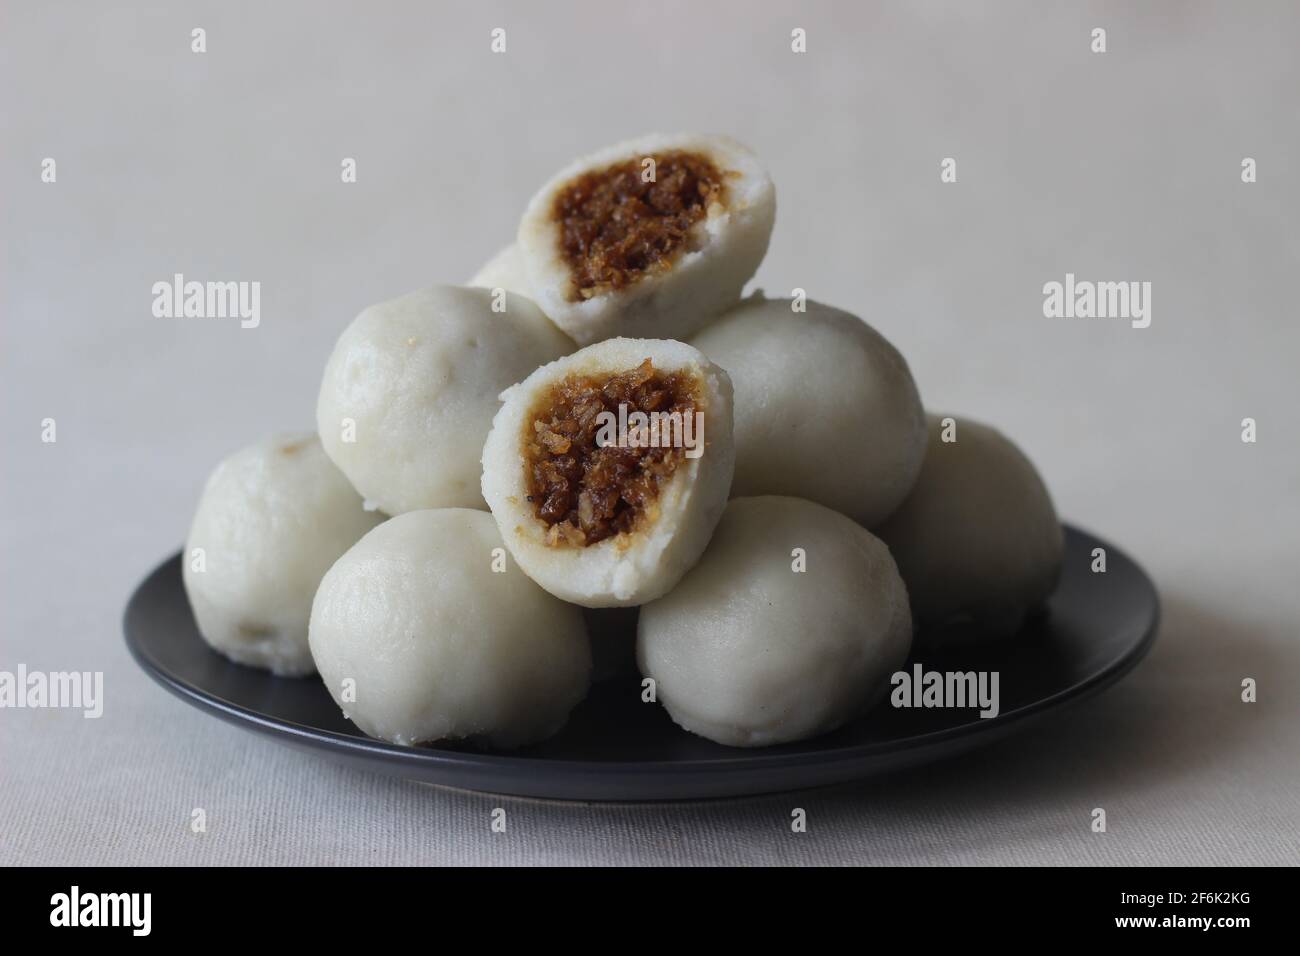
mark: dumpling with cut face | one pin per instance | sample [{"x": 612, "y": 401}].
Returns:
[
  {"x": 607, "y": 470},
  {"x": 271, "y": 520},
  {"x": 650, "y": 238}
]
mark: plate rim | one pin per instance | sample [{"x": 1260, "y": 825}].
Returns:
[{"x": 755, "y": 761}]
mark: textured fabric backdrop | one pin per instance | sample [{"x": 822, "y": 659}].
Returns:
[{"x": 1122, "y": 166}]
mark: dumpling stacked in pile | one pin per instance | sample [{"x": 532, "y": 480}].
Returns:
[{"x": 600, "y": 421}]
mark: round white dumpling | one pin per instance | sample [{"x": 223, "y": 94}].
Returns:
[
  {"x": 826, "y": 408},
  {"x": 505, "y": 270},
  {"x": 271, "y": 520},
  {"x": 648, "y": 238},
  {"x": 409, "y": 393},
  {"x": 590, "y": 518},
  {"x": 749, "y": 651},
  {"x": 420, "y": 636},
  {"x": 978, "y": 540}
]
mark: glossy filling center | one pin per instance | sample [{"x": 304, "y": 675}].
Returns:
[
  {"x": 584, "y": 490},
  {"x": 616, "y": 227}
]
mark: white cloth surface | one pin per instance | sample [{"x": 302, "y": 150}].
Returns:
[{"x": 226, "y": 165}]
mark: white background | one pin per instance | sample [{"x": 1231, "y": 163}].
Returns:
[{"x": 226, "y": 166}]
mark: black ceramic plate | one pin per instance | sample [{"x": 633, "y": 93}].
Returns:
[{"x": 1095, "y": 629}]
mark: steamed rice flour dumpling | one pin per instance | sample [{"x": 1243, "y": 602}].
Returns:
[
  {"x": 790, "y": 625},
  {"x": 826, "y": 408},
  {"x": 420, "y": 634},
  {"x": 272, "y": 518},
  {"x": 409, "y": 392},
  {"x": 607, "y": 470},
  {"x": 977, "y": 540},
  {"x": 505, "y": 270},
  {"x": 648, "y": 238},
  {"x": 738, "y": 497}
]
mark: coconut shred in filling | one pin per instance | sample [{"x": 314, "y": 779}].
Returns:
[
  {"x": 615, "y": 227},
  {"x": 586, "y": 492}
]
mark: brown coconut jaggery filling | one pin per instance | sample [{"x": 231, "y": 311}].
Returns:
[
  {"x": 615, "y": 227},
  {"x": 585, "y": 492}
]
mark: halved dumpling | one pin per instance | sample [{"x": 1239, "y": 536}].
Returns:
[
  {"x": 650, "y": 238},
  {"x": 608, "y": 469}
]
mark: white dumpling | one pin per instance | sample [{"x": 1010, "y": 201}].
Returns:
[
  {"x": 505, "y": 270},
  {"x": 419, "y": 638},
  {"x": 408, "y": 395},
  {"x": 271, "y": 520},
  {"x": 977, "y": 540},
  {"x": 608, "y": 526},
  {"x": 747, "y": 651},
  {"x": 609, "y": 253},
  {"x": 826, "y": 408}
]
